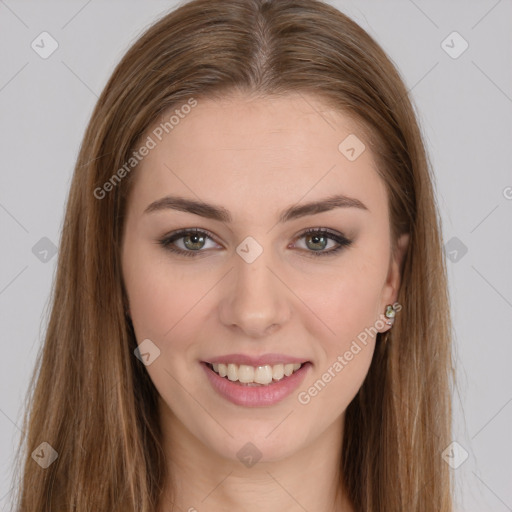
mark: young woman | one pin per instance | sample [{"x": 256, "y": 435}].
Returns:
[{"x": 250, "y": 310}]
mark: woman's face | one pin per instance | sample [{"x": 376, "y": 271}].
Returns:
[{"x": 253, "y": 282}]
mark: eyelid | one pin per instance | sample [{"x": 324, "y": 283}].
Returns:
[
  {"x": 328, "y": 231},
  {"x": 186, "y": 231}
]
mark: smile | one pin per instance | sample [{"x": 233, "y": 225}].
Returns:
[
  {"x": 255, "y": 375},
  {"x": 255, "y": 394}
]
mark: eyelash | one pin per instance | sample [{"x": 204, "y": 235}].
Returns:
[{"x": 168, "y": 240}]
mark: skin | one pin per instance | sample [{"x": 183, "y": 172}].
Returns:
[{"x": 255, "y": 157}]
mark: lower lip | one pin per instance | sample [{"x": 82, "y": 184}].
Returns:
[{"x": 256, "y": 396}]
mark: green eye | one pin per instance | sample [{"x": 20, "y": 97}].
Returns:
[
  {"x": 320, "y": 237},
  {"x": 193, "y": 239}
]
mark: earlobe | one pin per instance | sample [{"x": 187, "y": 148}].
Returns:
[
  {"x": 387, "y": 318},
  {"x": 390, "y": 314}
]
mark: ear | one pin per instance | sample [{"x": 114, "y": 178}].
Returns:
[{"x": 393, "y": 279}]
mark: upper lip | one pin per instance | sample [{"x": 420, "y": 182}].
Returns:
[{"x": 270, "y": 359}]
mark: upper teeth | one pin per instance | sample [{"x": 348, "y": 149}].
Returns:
[{"x": 258, "y": 374}]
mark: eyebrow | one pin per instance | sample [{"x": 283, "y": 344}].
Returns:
[{"x": 211, "y": 211}]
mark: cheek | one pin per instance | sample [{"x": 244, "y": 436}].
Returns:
[
  {"x": 348, "y": 302},
  {"x": 348, "y": 306},
  {"x": 157, "y": 297},
  {"x": 347, "y": 344}
]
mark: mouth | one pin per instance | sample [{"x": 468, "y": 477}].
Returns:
[
  {"x": 253, "y": 376},
  {"x": 260, "y": 388}
]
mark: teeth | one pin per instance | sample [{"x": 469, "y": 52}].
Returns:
[
  {"x": 255, "y": 374},
  {"x": 289, "y": 369}
]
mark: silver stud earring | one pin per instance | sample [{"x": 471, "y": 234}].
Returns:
[{"x": 390, "y": 314}]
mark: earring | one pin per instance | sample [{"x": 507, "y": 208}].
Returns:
[{"x": 390, "y": 314}]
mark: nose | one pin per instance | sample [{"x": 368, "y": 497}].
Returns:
[{"x": 255, "y": 302}]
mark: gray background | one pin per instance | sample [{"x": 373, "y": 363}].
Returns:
[{"x": 465, "y": 109}]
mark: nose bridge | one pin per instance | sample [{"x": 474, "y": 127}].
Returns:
[{"x": 257, "y": 299}]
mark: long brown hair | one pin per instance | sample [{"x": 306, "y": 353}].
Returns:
[{"x": 92, "y": 400}]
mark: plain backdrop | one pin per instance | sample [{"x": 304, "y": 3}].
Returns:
[{"x": 461, "y": 85}]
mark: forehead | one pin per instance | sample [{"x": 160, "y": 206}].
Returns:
[{"x": 245, "y": 152}]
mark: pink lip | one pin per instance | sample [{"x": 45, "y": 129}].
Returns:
[
  {"x": 270, "y": 359},
  {"x": 256, "y": 396}
]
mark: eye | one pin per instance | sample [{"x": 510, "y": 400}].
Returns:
[
  {"x": 194, "y": 240},
  {"x": 318, "y": 238}
]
